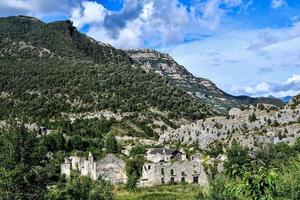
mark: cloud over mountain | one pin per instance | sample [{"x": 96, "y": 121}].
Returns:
[{"x": 151, "y": 22}]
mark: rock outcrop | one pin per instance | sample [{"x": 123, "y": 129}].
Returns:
[
  {"x": 251, "y": 127},
  {"x": 200, "y": 88}
]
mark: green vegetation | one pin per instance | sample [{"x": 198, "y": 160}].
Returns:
[
  {"x": 273, "y": 173},
  {"x": 22, "y": 173},
  {"x": 237, "y": 158},
  {"x": 111, "y": 144},
  {"x": 163, "y": 192},
  {"x": 49, "y": 69},
  {"x": 252, "y": 117},
  {"x": 81, "y": 188},
  {"x": 133, "y": 169},
  {"x": 137, "y": 150}
]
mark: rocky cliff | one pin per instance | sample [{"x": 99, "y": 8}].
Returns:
[
  {"x": 200, "y": 88},
  {"x": 252, "y": 127}
]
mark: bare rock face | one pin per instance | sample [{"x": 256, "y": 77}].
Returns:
[
  {"x": 235, "y": 112},
  {"x": 251, "y": 127},
  {"x": 200, "y": 88}
]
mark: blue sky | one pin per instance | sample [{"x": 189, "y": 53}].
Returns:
[{"x": 249, "y": 47}]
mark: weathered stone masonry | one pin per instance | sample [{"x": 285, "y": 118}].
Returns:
[
  {"x": 111, "y": 168},
  {"x": 163, "y": 166}
]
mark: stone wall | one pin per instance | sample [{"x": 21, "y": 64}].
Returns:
[
  {"x": 110, "y": 168},
  {"x": 168, "y": 172}
]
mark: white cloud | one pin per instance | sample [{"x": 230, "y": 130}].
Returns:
[
  {"x": 255, "y": 90},
  {"x": 242, "y": 56},
  {"x": 212, "y": 12},
  {"x": 278, "y": 3},
  {"x": 16, "y": 4},
  {"x": 151, "y": 22},
  {"x": 139, "y": 23},
  {"x": 291, "y": 86},
  {"x": 89, "y": 13},
  {"x": 295, "y": 79},
  {"x": 36, "y": 8},
  {"x": 262, "y": 88}
]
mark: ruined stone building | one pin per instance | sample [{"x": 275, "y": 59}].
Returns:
[
  {"x": 111, "y": 168},
  {"x": 163, "y": 154},
  {"x": 163, "y": 166},
  {"x": 169, "y": 166}
]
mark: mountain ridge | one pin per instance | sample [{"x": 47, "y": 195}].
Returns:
[
  {"x": 57, "y": 70},
  {"x": 200, "y": 88}
]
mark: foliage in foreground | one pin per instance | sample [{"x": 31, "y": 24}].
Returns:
[
  {"x": 254, "y": 179},
  {"x": 22, "y": 171},
  {"x": 162, "y": 192},
  {"x": 83, "y": 188}
]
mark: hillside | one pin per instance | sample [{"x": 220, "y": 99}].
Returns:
[
  {"x": 252, "y": 127},
  {"x": 202, "y": 89},
  {"x": 47, "y": 70}
]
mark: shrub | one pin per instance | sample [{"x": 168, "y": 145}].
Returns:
[{"x": 111, "y": 144}]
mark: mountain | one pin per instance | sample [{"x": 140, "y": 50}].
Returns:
[
  {"x": 51, "y": 70},
  {"x": 203, "y": 89},
  {"x": 266, "y": 100},
  {"x": 286, "y": 99}
]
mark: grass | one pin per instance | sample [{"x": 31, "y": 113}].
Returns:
[{"x": 165, "y": 192}]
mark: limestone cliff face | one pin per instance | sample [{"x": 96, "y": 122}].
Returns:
[
  {"x": 200, "y": 88},
  {"x": 256, "y": 125}
]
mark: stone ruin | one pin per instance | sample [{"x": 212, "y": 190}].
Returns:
[
  {"x": 110, "y": 168},
  {"x": 166, "y": 166},
  {"x": 163, "y": 166}
]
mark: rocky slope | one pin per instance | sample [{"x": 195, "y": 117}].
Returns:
[
  {"x": 251, "y": 127},
  {"x": 203, "y": 89}
]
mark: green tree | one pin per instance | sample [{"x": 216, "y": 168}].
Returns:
[
  {"x": 22, "y": 175},
  {"x": 137, "y": 151},
  {"x": 252, "y": 117},
  {"x": 54, "y": 142},
  {"x": 258, "y": 184},
  {"x": 237, "y": 160},
  {"x": 288, "y": 181},
  {"x": 134, "y": 171},
  {"x": 111, "y": 144},
  {"x": 76, "y": 143}
]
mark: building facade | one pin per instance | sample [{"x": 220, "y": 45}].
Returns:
[
  {"x": 167, "y": 172},
  {"x": 167, "y": 166}
]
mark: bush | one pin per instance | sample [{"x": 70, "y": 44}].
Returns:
[
  {"x": 137, "y": 151},
  {"x": 81, "y": 188},
  {"x": 237, "y": 160},
  {"x": 54, "y": 142},
  {"x": 134, "y": 171},
  {"x": 252, "y": 117},
  {"x": 111, "y": 144}
]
